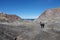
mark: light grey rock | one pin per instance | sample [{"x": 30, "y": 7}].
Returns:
[{"x": 50, "y": 15}]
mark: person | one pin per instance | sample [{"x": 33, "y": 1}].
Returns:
[{"x": 42, "y": 25}]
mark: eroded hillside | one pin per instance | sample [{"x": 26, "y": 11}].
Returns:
[{"x": 31, "y": 30}]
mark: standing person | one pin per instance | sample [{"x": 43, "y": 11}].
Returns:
[{"x": 42, "y": 25}]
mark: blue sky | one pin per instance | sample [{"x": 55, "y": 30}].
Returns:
[{"x": 27, "y": 8}]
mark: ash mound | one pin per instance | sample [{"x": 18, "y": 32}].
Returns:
[
  {"x": 9, "y": 18},
  {"x": 50, "y": 15}
]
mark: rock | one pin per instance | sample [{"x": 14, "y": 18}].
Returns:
[
  {"x": 9, "y": 32},
  {"x": 50, "y": 15},
  {"x": 31, "y": 30},
  {"x": 51, "y": 30},
  {"x": 9, "y": 17}
]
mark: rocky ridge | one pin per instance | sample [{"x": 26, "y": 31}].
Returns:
[{"x": 50, "y": 15}]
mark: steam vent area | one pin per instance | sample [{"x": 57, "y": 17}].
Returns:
[{"x": 45, "y": 27}]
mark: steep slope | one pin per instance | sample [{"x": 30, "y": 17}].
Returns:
[{"x": 50, "y": 15}]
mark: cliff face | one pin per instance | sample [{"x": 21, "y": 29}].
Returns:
[
  {"x": 50, "y": 15},
  {"x": 7, "y": 17}
]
